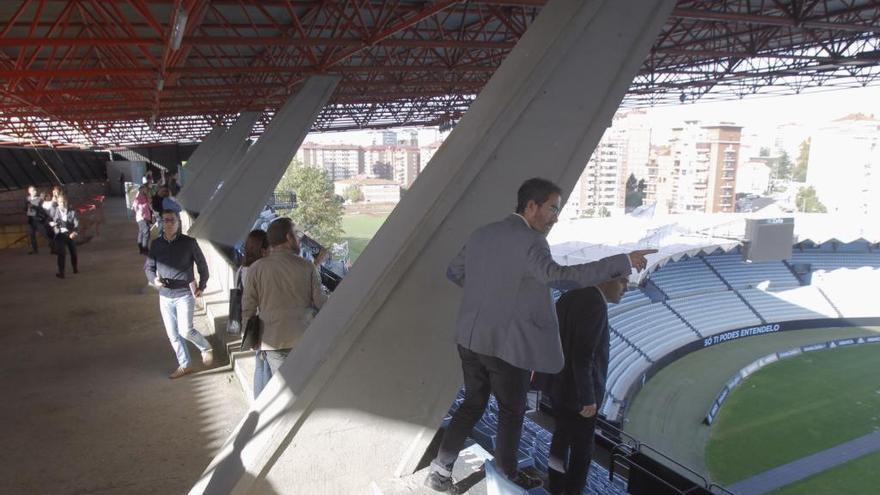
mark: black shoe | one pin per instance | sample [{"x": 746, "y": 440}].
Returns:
[
  {"x": 75, "y": 270},
  {"x": 34, "y": 252},
  {"x": 59, "y": 275},
  {"x": 439, "y": 483},
  {"x": 526, "y": 481}
]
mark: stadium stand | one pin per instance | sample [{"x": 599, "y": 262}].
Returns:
[
  {"x": 829, "y": 261},
  {"x": 715, "y": 312},
  {"x": 683, "y": 278},
  {"x": 851, "y": 291},
  {"x": 719, "y": 292},
  {"x": 534, "y": 449},
  {"x": 801, "y": 303},
  {"x": 654, "y": 329},
  {"x": 772, "y": 275}
]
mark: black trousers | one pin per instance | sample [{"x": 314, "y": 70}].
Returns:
[
  {"x": 484, "y": 375},
  {"x": 33, "y": 227},
  {"x": 62, "y": 241},
  {"x": 572, "y": 449}
]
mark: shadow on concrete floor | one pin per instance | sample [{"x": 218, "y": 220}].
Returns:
[{"x": 87, "y": 406}]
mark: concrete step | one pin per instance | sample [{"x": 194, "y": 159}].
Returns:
[{"x": 243, "y": 364}]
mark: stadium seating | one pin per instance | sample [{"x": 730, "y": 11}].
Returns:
[
  {"x": 534, "y": 449},
  {"x": 770, "y": 275},
  {"x": 644, "y": 332},
  {"x": 631, "y": 299},
  {"x": 801, "y": 303},
  {"x": 715, "y": 312},
  {"x": 682, "y": 278},
  {"x": 654, "y": 329},
  {"x": 828, "y": 261},
  {"x": 853, "y": 292}
]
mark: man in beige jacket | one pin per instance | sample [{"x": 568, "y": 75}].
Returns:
[{"x": 286, "y": 289}]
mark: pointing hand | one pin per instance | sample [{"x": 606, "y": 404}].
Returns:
[{"x": 637, "y": 258}]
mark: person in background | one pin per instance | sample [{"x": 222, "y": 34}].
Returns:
[
  {"x": 48, "y": 207},
  {"x": 577, "y": 391},
  {"x": 143, "y": 215},
  {"x": 169, "y": 267},
  {"x": 173, "y": 186},
  {"x": 66, "y": 226},
  {"x": 122, "y": 184},
  {"x": 156, "y": 203},
  {"x": 256, "y": 246},
  {"x": 286, "y": 290},
  {"x": 32, "y": 207}
]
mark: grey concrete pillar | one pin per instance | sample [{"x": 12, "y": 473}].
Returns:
[
  {"x": 232, "y": 209},
  {"x": 217, "y": 163},
  {"x": 203, "y": 151},
  {"x": 360, "y": 397}
]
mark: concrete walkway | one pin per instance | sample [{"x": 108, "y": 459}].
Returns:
[
  {"x": 808, "y": 466},
  {"x": 86, "y": 406}
]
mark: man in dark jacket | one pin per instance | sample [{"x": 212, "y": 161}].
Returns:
[
  {"x": 169, "y": 267},
  {"x": 577, "y": 391}
]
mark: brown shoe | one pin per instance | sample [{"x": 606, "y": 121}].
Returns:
[
  {"x": 179, "y": 372},
  {"x": 208, "y": 357}
]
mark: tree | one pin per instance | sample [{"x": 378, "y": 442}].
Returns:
[
  {"x": 799, "y": 173},
  {"x": 635, "y": 192},
  {"x": 782, "y": 167},
  {"x": 319, "y": 210},
  {"x": 808, "y": 202},
  {"x": 353, "y": 194}
]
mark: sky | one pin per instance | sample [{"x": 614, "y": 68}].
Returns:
[{"x": 754, "y": 113}]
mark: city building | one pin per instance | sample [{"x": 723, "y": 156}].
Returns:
[
  {"x": 624, "y": 149},
  {"x": 341, "y": 161},
  {"x": 704, "y": 162},
  {"x": 844, "y": 165},
  {"x": 400, "y": 163},
  {"x": 659, "y": 180},
  {"x": 373, "y": 190}
]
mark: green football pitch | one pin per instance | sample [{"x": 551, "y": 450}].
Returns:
[
  {"x": 794, "y": 408},
  {"x": 359, "y": 229},
  {"x": 667, "y": 413}
]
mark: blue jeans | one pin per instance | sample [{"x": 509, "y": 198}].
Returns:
[
  {"x": 268, "y": 363},
  {"x": 177, "y": 314}
]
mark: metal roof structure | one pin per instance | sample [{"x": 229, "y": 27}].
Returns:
[{"x": 117, "y": 72}]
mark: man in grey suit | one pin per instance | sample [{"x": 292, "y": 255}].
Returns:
[{"x": 507, "y": 324}]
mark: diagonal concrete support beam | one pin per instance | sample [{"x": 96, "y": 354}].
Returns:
[
  {"x": 217, "y": 163},
  {"x": 203, "y": 151},
  {"x": 359, "y": 398},
  {"x": 231, "y": 211}
]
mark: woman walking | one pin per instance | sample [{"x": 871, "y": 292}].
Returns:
[
  {"x": 66, "y": 225},
  {"x": 143, "y": 214}
]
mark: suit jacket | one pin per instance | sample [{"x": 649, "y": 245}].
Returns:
[
  {"x": 583, "y": 328},
  {"x": 506, "y": 310},
  {"x": 66, "y": 222}
]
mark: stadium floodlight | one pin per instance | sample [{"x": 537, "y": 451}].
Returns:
[{"x": 178, "y": 29}]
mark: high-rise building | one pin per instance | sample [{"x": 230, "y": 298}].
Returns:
[
  {"x": 844, "y": 165},
  {"x": 660, "y": 178},
  {"x": 398, "y": 163},
  {"x": 623, "y": 150},
  {"x": 602, "y": 184},
  {"x": 637, "y": 133},
  {"x": 704, "y": 164},
  {"x": 341, "y": 161}
]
